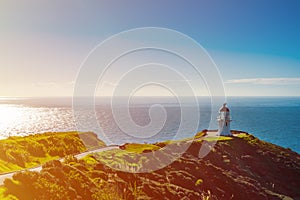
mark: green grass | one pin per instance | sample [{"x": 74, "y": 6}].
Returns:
[
  {"x": 2, "y": 190},
  {"x": 243, "y": 135},
  {"x": 217, "y": 138},
  {"x": 18, "y": 153},
  {"x": 198, "y": 182},
  {"x": 199, "y": 135},
  {"x": 6, "y": 197},
  {"x": 116, "y": 157},
  {"x": 90, "y": 160},
  {"x": 131, "y": 158},
  {"x": 140, "y": 148},
  {"x": 263, "y": 146},
  {"x": 8, "y": 167}
]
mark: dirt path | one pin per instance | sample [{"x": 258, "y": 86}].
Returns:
[{"x": 39, "y": 168}]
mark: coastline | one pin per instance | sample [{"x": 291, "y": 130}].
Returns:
[
  {"x": 260, "y": 116},
  {"x": 238, "y": 163}
]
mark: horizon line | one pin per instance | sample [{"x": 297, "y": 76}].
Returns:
[{"x": 164, "y": 96}]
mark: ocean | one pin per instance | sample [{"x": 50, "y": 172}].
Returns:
[{"x": 273, "y": 119}]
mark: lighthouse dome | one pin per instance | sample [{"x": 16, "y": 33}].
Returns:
[{"x": 224, "y": 108}]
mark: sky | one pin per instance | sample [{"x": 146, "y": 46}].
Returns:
[{"x": 255, "y": 44}]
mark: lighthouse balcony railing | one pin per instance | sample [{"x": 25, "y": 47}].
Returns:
[{"x": 227, "y": 118}]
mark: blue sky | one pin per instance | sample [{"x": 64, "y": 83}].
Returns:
[{"x": 255, "y": 44}]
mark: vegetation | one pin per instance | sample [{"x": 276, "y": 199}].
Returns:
[
  {"x": 239, "y": 167},
  {"x": 25, "y": 152}
]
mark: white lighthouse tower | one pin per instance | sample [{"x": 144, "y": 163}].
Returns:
[{"x": 224, "y": 121}]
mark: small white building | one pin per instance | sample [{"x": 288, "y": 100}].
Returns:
[{"x": 224, "y": 121}]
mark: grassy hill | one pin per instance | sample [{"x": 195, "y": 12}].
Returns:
[
  {"x": 18, "y": 153},
  {"x": 239, "y": 167}
]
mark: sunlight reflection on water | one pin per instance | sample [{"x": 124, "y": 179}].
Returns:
[
  {"x": 272, "y": 119},
  {"x": 19, "y": 120}
]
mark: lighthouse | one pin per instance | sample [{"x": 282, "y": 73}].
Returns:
[{"x": 224, "y": 121}]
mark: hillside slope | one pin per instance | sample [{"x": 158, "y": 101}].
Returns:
[
  {"x": 17, "y": 153},
  {"x": 239, "y": 167}
]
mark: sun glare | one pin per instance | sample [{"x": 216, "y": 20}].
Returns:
[{"x": 8, "y": 115}]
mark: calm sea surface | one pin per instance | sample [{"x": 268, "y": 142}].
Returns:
[{"x": 273, "y": 119}]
